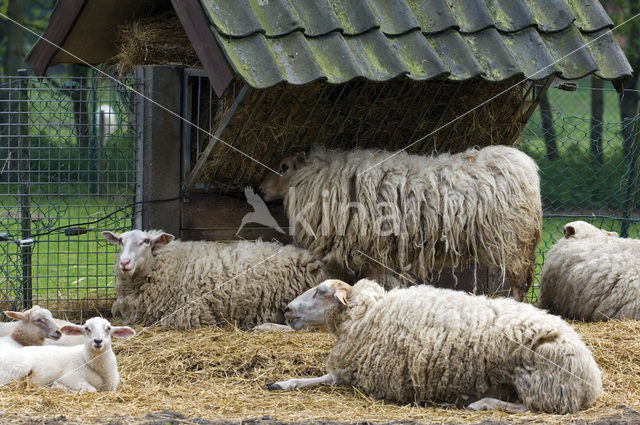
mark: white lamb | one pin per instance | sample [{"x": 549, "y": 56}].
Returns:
[
  {"x": 428, "y": 344},
  {"x": 187, "y": 285},
  {"x": 32, "y": 327},
  {"x": 414, "y": 213},
  {"x": 592, "y": 274},
  {"x": 90, "y": 367}
]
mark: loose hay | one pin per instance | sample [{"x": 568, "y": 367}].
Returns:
[{"x": 222, "y": 374}]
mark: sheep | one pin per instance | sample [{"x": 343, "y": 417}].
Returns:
[
  {"x": 65, "y": 340},
  {"x": 414, "y": 213},
  {"x": 422, "y": 344},
  {"x": 187, "y": 285},
  {"x": 89, "y": 367},
  {"x": 591, "y": 274},
  {"x": 32, "y": 327}
]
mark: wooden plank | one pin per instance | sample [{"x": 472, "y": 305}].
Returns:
[
  {"x": 218, "y": 217},
  {"x": 196, "y": 24},
  {"x": 62, "y": 20}
]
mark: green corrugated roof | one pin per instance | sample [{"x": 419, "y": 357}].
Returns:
[{"x": 299, "y": 41}]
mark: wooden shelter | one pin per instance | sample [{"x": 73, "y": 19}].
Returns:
[{"x": 430, "y": 75}]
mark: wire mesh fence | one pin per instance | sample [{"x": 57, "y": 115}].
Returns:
[
  {"x": 588, "y": 159},
  {"x": 67, "y": 169}
]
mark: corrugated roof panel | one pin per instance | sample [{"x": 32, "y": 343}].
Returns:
[
  {"x": 394, "y": 16},
  {"x": 232, "y": 18},
  {"x": 533, "y": 58},
  {"x": 471, "y": 15},
  {"x": 456, "y": 55},
  {"x": 493, "y": 55},
  {"x": 551, "y": 15},
  {"x": 376, "y": 56},
  {"x": 433, "y": 16},
  {"x": 603, "y": 46},
  {"x": 572, "y": 58},
  {"x": 418, "y": 56},
  {"x": 317, "y": 17},
  {"x": 509, "y": 15},
  {"x": 590, "y": 15},
  {"x": 355, "y": 17}
]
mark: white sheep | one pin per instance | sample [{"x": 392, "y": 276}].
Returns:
[
  {"x": 591, "y": 274},
  {"x": 32, "y": 327},
  {"x": 413, "y": 213},
  {"x": 192, "y": 284},
  {"x": 88, "y": 367},
  {"x": 423, "y": 344}
]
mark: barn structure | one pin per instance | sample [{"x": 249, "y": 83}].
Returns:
[{"x": 281, "y": 75}]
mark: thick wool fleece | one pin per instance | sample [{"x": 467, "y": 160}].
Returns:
[
  {"x": 592, "y": 278},
  {"x": 187, "y": 285},
  {"x": 420, "y": 213},
  {"x": 428, "y": 344}
]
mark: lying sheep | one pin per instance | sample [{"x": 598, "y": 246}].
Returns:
[
  {"x": 591, "y": 274},
  {"x": 90, "y": 367},
  {"x": 32, "y": 327},
  {"x": 413, "y": 213},
  {"x": 428, "y": 344},
  {"x": 186, "y": 285}
]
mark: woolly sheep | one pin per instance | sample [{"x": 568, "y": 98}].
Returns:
[
  {"x": 415, "y": 214},
  {"x": 191, "y": 284},
  {"x": 591, "y": 274},
  {"x": 423, "y": 343},
  {"x": 32, "y": 327},
  {"x": 64, "y": 340},
  {"x": 88, "y": 367}
]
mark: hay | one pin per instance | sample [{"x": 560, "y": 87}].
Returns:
[
  {"x": 154, "y": 40},
  {"x": 285, "y": 119},
  {"x": 221, "y": 374}
]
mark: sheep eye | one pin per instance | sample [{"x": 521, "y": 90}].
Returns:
[
  {"x": 146, "y": 241},
  {"x": 86, "y": 328},
  {"x": 108, "y": 328},
  {"x": 321, "y": 291},
  {"x": 284, "y": 168}
]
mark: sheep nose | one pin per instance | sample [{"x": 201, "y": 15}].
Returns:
[
  {"x": 125, "y": 261},
  {"x": 57, "y": 333},
  {"x": 97, "y": 341}
]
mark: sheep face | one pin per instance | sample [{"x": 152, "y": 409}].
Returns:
[
  {"x": 308, "y": 309},
  {"x": 40, "y": 318},
  {"x": 582, "y": 229},
  {"x": 275, "y": 185},
  {"x": 98, "y": 332},
  {"x": 136, "y": 248}
]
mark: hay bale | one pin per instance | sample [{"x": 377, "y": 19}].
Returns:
[{"x": 154, "y": 40}]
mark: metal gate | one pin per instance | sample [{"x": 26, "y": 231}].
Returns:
[{"x": 66, "y": 174}]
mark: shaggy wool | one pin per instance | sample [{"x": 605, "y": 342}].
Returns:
[
  {"x": 428, "y": 344},
  {"x": 592, "y": 275}
]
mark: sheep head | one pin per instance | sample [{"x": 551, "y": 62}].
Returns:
[
  {"x": 97, "y": 333},
  {"x": 136, "y": 248},
  {"x": 308, "y": 309},
  {"x": 275, "y": 185},
  {"x": 39, "y": 320},
  {"x": 582, "y": 229}
]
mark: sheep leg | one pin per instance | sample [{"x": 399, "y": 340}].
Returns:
[
  {"x": 273, "y": 327},
  {"x": 495, "y": 404},
  {"x": 302, "y": 382}
]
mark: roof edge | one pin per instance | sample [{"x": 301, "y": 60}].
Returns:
[{"x": 60, "y": 24}]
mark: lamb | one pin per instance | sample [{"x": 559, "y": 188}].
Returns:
[
  {"x": 423, "y": 343},
  {"x": 88, "y": 367},
  {"x": 32, "y": 327},
  {"x": 187, "y": 285},
  {"x": 414, "y": 213},
  {"x": 591, "y": 274}
]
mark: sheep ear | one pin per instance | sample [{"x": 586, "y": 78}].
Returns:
[
  {"x": 341, "y": 295},
  {"x": 16, "y": 315},
  {"x": 569, "y": 231},
  {"x": 122, "y": 332},
  {"x": 111, "y": 237},
  {"x": 72, "y": 330},
  {"x": 162, "y": 239}
]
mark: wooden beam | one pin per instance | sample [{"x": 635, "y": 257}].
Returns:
[
  {"x": 62, "y": 19},
  {"x": 197, "y": 26}
]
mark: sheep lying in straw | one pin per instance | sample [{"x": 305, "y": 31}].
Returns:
[
  {"x": 32, "y": 327},
  {"x": 90, "y": 367},
  {"x": 413, "y": 213},
  {"x": 187, "y": 285},
  {"x": 429, "y": 344},
  {"x": 591, "y": 274}
]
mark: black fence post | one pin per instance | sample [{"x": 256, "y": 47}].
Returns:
[{"x": 26, "y": 242}]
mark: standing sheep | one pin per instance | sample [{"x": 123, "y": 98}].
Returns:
[
  {"x": 428, "y": 344},
  {"x": 591, "y": 274},
  {"x": 414, "y": 213},
  {"x": 187, "y": 285}
]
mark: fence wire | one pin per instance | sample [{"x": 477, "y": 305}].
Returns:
[
  {"x": 588, "y": 159},
  {"x": 67, "y": 158}
]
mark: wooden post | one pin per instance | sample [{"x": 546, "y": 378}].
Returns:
[{"x": 158, "y": 147}]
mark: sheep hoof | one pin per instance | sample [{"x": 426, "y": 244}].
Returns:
[{"x": 274, "y": 386}]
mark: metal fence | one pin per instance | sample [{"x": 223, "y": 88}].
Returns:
[
  {"x": 588, "y": 163},
  {"x": 67, "y": 172}
]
